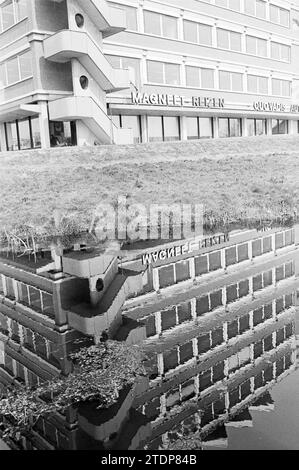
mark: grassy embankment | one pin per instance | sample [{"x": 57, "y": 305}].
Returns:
[{"x": 235, "y": 179}]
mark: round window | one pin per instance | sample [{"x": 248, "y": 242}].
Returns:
[
  {"x": 79, "y": 20},
  {"x": 84, "y": 82},
  {"x": 100, "y": 285}
]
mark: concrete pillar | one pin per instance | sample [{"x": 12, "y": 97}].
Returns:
[
  {"x": 216, "y": 127},
  {"x": 244, "y": 127},
  {"x": 184, "y": 129},
  {"x": 3, "y": 147},
  {"x": 144, "y": 129},
  {"x": 269, "y": 126},
  {"x": 44, "y": 125}
]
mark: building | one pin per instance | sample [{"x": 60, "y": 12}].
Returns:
[
  {"x": 212, "y": 317},
  {"x": 77, "y": 72}
]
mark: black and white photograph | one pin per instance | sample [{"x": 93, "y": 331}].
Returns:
[{"x": 149, "y": 229}]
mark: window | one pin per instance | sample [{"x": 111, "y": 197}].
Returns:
[
  {"x": 18, "y": 68},
  {"x": 198, "y": 33},
  {"x": 164, "y": 73},
  {"x": 11, "y": 12},
  {"x": 281, "y": 87},
  {"x": 280, "y": 52},
  {"x": 255, "y": 8},
  {"x": 256, "y": 46},
  {"x": 279, "y": 15},
  {"x": 131, "y": 16},
  {"x": 230, "y": 81},
  {"x": 256, "y": 127},
  {"x": 256, "y": 84},
  {"x": 279, "y": 126},
  {"x": 228, "y": 40},
  {"x": 24, "y": 135},
  {"x": 162, "y": 128},
  {"x": 199, "y": 77},
  {"x": 132, "y": 122},
  {"x": 230, "y": 4},
  {"x": 160, "y": 25},
  {"x": 229, "y": 127},
  {"x": 133, "y": 63}
]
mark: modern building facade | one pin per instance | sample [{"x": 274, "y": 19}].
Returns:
[{"x": 77, "y": 72}]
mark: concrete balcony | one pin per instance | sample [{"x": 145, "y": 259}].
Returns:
[
  {"x": 109, "y": 21},
  {"x": 67, "y": 44}
]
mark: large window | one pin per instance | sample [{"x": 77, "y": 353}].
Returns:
[
  {"x": 164, "y": 73},
  {"x": 257, "y": 84},
  {"x": 16, "y": 69},
  {"x": 230, "y": 4},
  {"x": 131, "y": 15},
  {"x": 255, "y": 8},
  {"x": 230, "y": 81},
  {"x": 119, "y": 62},
  {"x": 131, "y": 122},
  {"x": 256, "y": 46},
  {"x": 161, "y": 128},
  {"x": 280, "y": 52},
  {"x": 199, "y": 128},
  {"x": 11, "y": 12},
  {"x": 280, "y": 126},
  {"x": 160, "y": 25},
  {"x": 281, "y": 87},
  {"x": 199, "y": 77},
  {"x": 256, "y": 127},
  {"x": 229, "y": 40},
  {"x": 279, "y": 15},
  {"x": 197, "y": 32},
  {"x": 229, "y": 127}
]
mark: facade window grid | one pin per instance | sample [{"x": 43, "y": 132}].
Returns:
[{"x": 17, "y": 13}]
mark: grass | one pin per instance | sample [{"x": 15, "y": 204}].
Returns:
[{"x": 235, "y": 179}]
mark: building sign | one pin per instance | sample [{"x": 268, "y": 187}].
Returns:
[
  {"x": 176, "y": 100},
  {"x": 273, "y": 107},
  {"x": 181, "y": 250}
]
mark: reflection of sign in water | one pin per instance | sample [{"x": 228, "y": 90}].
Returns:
[
  {"x": 176, "y": 251},
  {"x": 176, "y": 100}
]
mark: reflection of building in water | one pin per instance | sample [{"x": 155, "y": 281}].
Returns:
[{"x": 217, "y": 322}]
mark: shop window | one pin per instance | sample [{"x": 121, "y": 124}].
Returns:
[
  {"x": 215, "y": 261},
  {"x": 35, "y": 131},
  {"x": 171, "y": 126},
  {"x": 201, "y": 265},
  {"x": 231, "y": 256},
  {"x": 134, "y": 123},
  {"x": 24, "y": 135},
  {"x": 256, "y": 248},
  {"x": 155, "y": 130},
  {"x": 229, "y": 127},
  {"x": 242, "y": 252},
  {"x": 62, "y": 134},
  {"x": 166, "y": 276},
  {"x": 205, "y": 128}
]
